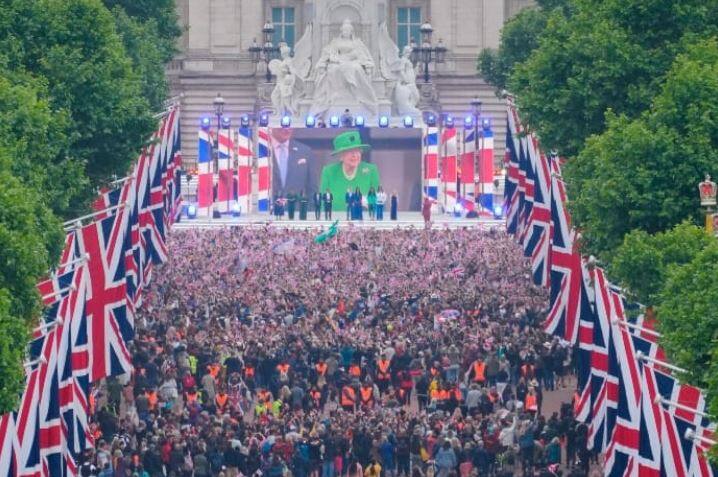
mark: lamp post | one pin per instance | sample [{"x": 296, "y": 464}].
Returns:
[
  {"x": 708, "y": 190},
  {"x": 265, "y": 52},
  {"x": 426, "y": 53}
]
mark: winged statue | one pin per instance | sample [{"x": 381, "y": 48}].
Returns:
[
  {"x": 292, "y": 73},
  {"x": 398, "y": 68}
]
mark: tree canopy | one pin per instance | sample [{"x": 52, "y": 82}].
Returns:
[{"x": 80, "y": 82}]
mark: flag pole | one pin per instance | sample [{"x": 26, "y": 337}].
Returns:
[
  {"x": 60, "y": 292},
  {"x": 73, "y": 222},
  {"x": 677, "y": 405},
  {"x": 642, "y": 356},
  {"x": 618, "y": 322}
]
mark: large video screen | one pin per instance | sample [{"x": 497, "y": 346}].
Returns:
[{"x": 310, "y": 160}]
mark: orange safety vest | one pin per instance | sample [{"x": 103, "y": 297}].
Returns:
[
  {"x": 283, "y": 368},
  {"x": 321, "y": 368},
  {"x": 493, "y": 398},
  {"x": 221, "y": 399},
  {"x": 348, "y": 396},
  {"x": 384, "y": 370},
  {"x": 214, "y": 369},
  {"x": 530, "y": 403},
  {"x": 316, "y": 395},
  {"x": 444, "y": 395},
  {"x": 192, "y": 397},
  {"x": 355, "y": 370},
  {"x": 263, "y": 396},
  {"x": 248, "y": 372},
  {"x": 434, "y": 371},
  {"x": 479, "y": 367},
  {"x": 152, "y": 398},
  {"x": 367, "y": 394}
]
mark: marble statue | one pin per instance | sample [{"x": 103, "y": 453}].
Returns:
[
  {"x": 343, "y": 74},
  {"x": 291, "y": 74},
  {"x": 400, "y": 69}
]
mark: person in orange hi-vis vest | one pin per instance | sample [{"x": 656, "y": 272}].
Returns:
[
  {"x": 348, "y": 398},
  {"x": 355, "y": 371},
  {"x": 283, "y": 370},
  {"x": 531, "y": 402},
  {"x": 477, "y": 371},
  {"x": 221, "y": 400},
  {"x": 383, "y": 373},
  {"x": 366, "y": 393}
]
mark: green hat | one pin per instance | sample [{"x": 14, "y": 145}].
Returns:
[{"x": 347, "y": 141}]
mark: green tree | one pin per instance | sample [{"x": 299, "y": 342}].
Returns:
[
  {"x": 641, "y": 263},
  {"x": 163, "y": 13},
  {"x": 88, "y": 74},
  {"x": 688, "y": 319},
  {"x": 605, "y": 55},
  {"x": 27, "y": 228},
  {"x": 642, "y": 173},
  {"x": 519, "y": 37}
]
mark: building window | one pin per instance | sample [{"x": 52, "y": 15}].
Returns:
[
  {"x": 408, "y": 23},
  {"x": 283, "y": 19}
]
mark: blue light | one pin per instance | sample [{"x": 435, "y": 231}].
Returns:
[
  {"x": 383, "y": 122},
  {"x": 408, "y": 122},
  {"x": 449, "y": 121},
  {"x": 244, "y": 121},
  {"x": 236, "y": 209},
  {"x": 431, "y": 120},
  {"x": 286, "y": 121},
  {"x": 334, "y": 121},
  {"x": 310, "y": 121},
  {"x": 486, "y": 123},
  {"x": 192, "y": 211},
  {"x": 469, "y": 122},
  {"x": 205, "y": 122},
  {"x": 498, "y": 211},
  {"x": 264, "y": 119},
  {"x": 226, "y": 122},
  {"x": 359, "y": 121}
]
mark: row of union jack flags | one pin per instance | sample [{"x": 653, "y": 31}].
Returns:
[
  {"x": 88, "y": 320},
  {"x": 643, "y": 420}
]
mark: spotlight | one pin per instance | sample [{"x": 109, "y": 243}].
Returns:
[
  {"x": 310, "y": 121},
  {"x": 469, "y": 122},
  {"x": 359, "y": 121},
  {"x": 408, "y": 122},
  {"x": 205, "y": 122},
  {"x": 486, "y": 123},
  {"x": 449, "y": 121},
  {"x": 286, "y": 121},
  {"x": 244, "y": 121},
  {"x": 383, "y": 122},
  {"x": 334, "y": 121},
  {"x": 264, "y": 119},
  {"x": 192, "y": 211},
  {"x": 431, "y": 120},
  {"x": 226, "y": 122},
  {"x": 236, "y": 210},
  {"x": 498, "y": 211}
]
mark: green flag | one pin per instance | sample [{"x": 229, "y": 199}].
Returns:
[{"x": 327, "y": 234}]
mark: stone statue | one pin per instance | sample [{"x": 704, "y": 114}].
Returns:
[
  {"x": 291, "y": 74},
  {"x": 400, "y": 69},
  {"x": 343, "y": 74}
]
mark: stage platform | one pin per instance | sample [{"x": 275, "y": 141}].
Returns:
[{"x": 405, "y": 220}]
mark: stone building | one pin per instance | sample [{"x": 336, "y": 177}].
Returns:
[{"x": 214, "y": 49}]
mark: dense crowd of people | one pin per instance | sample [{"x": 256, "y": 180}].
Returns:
[{"x": 378, "y": 353}]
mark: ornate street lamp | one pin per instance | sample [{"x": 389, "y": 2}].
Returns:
[
  {"x": 708, "y": 191},
  {"x": 426, "y": 53},
  {"x": 265, "y": 52}
]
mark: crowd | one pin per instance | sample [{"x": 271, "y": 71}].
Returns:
[{"x": 379, "y": 353}]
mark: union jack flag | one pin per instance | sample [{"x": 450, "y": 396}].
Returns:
[
  {"x": 511, "y": 182},
  {"x": 568, "y": 292},
  {"x": 537, "y": 239},
  {"x": 106, "y": 308}
]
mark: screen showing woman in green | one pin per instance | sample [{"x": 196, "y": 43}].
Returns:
[{"x": 350, "y": 172}]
